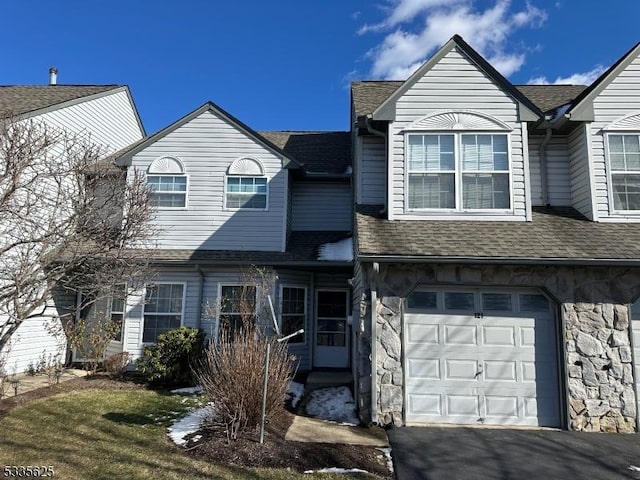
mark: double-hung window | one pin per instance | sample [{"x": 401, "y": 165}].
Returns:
[
  {"x": 458, "y": 172},
  {"x": 163, "y": 309},
  {"x": 168, "y": 191},
  {"x": 118, "y": 301},
  {"x": 237, "y": 307},
  {"x": 624, "y": 162},
  {"x": 246, "y": 192},
  {"x": 293, "y": 312}
]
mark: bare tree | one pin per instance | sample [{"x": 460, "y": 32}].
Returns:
[{"x": 70, "y": 219}]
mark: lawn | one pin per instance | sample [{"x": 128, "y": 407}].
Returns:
[{"x": 112, "y": 434}]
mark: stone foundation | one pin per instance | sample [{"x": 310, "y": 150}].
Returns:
[{"x": 598, "y": 358}]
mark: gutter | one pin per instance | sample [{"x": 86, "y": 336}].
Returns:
[
  {"x": 280, "y": 263},
  {"x": 544, "y": 176},
  {"x": 379, "y": 133},
  {"x": 596, "y": 262}
]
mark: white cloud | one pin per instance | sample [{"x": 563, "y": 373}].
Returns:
[
  {"x": 585, "y": 78},
  {"x": 405, "y": 48}
]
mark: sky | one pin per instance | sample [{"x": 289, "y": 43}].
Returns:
[{"x": 288, "y": 64}]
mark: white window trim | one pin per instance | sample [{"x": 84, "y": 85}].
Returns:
[
  {"x": 243, "y": 209},
  {"x": 459, "y": 210},
  {"x": 144, "y": 298},
  {"x": 306, "y": 312},
  {"x": 186, "y": 192},
  {"x": 124, "y": 313},
  {"x": 607, "y": 154}
]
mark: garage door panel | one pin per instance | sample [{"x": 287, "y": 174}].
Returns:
[{"x": 495, "y": 369}]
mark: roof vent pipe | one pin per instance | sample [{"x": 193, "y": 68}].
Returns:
[{"x": 53, "y": 76}]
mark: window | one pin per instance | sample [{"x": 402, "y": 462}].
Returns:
[
  {"x": 168, "y": 191},
  {"x": 293, "y": 312},
  {"x": 163, "y": 309},
  {"x": 168, "y": 183},
  {"x": 237, "y": 306},
  {"x": 117, "y": 308},
  {"x": 458, "y": 171},
  {"x": 247, "y": 192},
  {"x": 624, "y": 161}
]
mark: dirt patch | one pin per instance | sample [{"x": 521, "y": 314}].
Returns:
[
  {"x": 276, "y": 452},
  {"x": 9, "y": 402}
]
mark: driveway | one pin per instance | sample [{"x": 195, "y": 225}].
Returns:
[{"x": 481, "y": 453}]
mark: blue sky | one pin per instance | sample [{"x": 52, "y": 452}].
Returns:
[{"x": 287, "y": 64}]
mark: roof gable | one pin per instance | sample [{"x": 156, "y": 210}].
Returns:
[
  {"x": 528, "y": 111},
  {"x": 124, "y": 156},
  {"x": 582, "y": 108},
  {"x": 26, "y": 99}
]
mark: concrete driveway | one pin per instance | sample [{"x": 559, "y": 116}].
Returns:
[{"x": 481, "y": 453}]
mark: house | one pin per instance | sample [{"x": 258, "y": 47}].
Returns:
[
  {"x": 105, "y": 115},
  {"x": 497, "y": 247}
]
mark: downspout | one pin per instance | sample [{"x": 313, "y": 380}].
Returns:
[
  {"x": 544, "y": 176},
  {"x": 200, "y": 297},
  {"x": 378, "y": 133},
  {"x": 374, "y": 343}
]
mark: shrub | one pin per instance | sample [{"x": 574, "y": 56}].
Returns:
[
  {"x": 116, "y": 364},
  {"x": 232, "y": 375},
  {"x": 169, "y": 361}
]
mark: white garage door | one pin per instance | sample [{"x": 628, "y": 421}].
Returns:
[{"x": 481, "y": 357}]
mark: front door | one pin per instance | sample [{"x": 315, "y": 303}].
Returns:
[{"x": 332, "y": 333}]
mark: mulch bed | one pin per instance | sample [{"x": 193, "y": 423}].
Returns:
[{"x": 276, "y": 452}]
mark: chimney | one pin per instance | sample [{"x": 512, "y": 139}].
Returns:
[{"x": 53, "y": 76}]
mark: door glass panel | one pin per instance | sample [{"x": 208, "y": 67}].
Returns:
[
  {"x": 533, "y": 302},
  {"x": 331, "y": 339},
  {"x": 425, "y": 300},
  {"x": 458, "y": 301},
  {"x": 332, "y": 304},
  {"x": 496, "y": 301},
  {"x": 331, "y": 323}
]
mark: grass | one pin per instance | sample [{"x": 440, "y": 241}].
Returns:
[{"x": 108, "y": 434}]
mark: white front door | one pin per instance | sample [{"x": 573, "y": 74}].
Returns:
[
  {"x": 481, "y": 357},
  {"x": 331, "y": 348}
]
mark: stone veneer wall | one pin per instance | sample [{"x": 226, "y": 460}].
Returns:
[{"x": 598, "y": 363}]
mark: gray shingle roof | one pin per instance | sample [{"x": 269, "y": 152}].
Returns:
[
  {"x": 555, "y": 233},
  {"x": 320, "y": 152},
  {"x": 18, "y": 100},
  {"x": 548, "y": 97},
  {"x": 302, "y": 248},
  {"x": 367, "y": 96}
]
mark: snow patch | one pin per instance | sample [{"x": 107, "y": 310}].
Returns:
[
  {"x": 337, "y": 470},
  {"x": 338, "y": 251},
  {"x": 295, "y": 392},
  {"x": 335, "y": 404},
  {"x": 560, "y": 111},
  {"x": 188, "y": 390},
  {"x": 188, "y": 425},
  {"x": 387, "y": 455},
  {"x": 634, "y": 468}
]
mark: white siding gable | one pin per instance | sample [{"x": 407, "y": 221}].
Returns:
[
  {"x": 107, "y": 120},
  {"x": 206, "y": 146},
  {"x": 557, "y": 160},
  {"x": 455, "y": 84},
  {"x": 619, "y": 99}
]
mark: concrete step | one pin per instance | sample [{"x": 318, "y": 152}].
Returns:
[{"x": 323, "y": 379}]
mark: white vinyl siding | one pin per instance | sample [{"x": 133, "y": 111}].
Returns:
[
  {"x": 618, "y": 99},
  {"x": 373, "y": 173},
  {"x": 455, "y": 83},
  {"x": 108, "y": 120},
  {"x": 579, "y": 170},
  {"x": 558, "y": 170},
  {"x": 207, "y": 146},
  {"x": 322, "y": 206}
]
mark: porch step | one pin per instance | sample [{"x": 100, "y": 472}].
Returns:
[{"x": 320, "y": 379}]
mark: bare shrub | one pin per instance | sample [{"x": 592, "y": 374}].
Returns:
[
  {"x": 116, "y": 364},
  {"x": 232, "y": 376},
  {"x": 91, "y": 338}
]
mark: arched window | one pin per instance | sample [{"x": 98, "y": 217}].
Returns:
[
  {"x": 246, "y": 185},
  {"x": 168, "y": 183},
  {"x": 458, "y": 161}
]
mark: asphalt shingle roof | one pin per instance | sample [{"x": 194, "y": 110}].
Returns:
[
  {"x": 18, "y": 100},
  {"x": 554, "y": 233},
  {"x": 369, "y": 95},
  {"x": 302, "y": 248},
  {"x": 320, "y": 152}
]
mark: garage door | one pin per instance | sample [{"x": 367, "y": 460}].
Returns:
[{"x": 481, "y": 357}]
